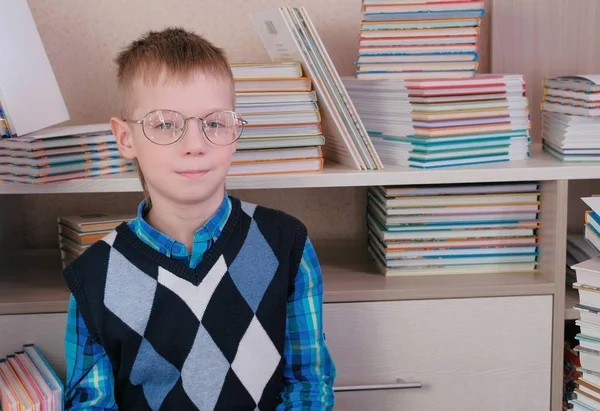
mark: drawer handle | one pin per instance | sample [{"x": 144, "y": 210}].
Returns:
[{"x": 399, "y": 384}]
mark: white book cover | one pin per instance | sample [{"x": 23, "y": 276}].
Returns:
[
  {"x": 29, "y": 93},
  {"x": 288, "y": 34}
]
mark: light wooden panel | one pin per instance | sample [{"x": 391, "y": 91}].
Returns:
[
  {"x": 329, "y": 214},
  {"x": 544, "y": 38},
  {"x": 469, "y": 354},
  {"x": 11, "y": 230},
  {"x": 47, "y": 331}
]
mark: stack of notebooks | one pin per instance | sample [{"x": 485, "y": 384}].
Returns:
[
  {"x": 578, "y": 250},
  {"x": 288, "y": 34},
  {"x": 571, "y": 118},
  {"x": 419, "y": 39},
  {"x": 454, "y": 229},
  {"x": 77, "y": 232},
  {"x": 445, "y": 122},
  {"x": 587, "y": 393},
  {"x": 27, "y": 382},
  {"x": 61, "y": 153},
  {"x": 284, "y": 133}
]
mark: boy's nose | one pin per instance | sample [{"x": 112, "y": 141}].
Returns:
[{"x": 194, "y": 140}]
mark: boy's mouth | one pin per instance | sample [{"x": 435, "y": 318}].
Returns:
[{"x": 192, "y": 173}]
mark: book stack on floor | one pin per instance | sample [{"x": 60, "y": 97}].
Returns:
[
  {"x": 436, "y": 123},
  {"x": 587, "y": 392},
  {"x": 433, "y": 39},
  {"x": 77, "y": 232},
  {"x": 284, "y": 133},
  {"x": 288, "y": 34},
  {"x": 27, "y": 382},
  {"x": 454, "y": 229},
  {"x": 61, "y": 153},
  {"x": 571, "y": 118}
]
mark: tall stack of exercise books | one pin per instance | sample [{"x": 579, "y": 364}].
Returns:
[
  {"x": 61, "y": 153},
  {"x": 288, "y": 34},
  {"x": 587, "y": 393},
  {"x": 436, "y": 123},
  {"x": 419, "y": 39},
  {"x": 76, "y": 233},
  {"x": 284, "y": 133},
  {"x": 27, "y": 382},
  {"x": 456, "y": 229},
  {"x": 571, "y": 118}
]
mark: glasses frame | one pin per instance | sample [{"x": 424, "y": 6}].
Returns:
[{"x": 201, "y": 125}]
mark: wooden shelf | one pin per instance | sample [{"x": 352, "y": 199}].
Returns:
[
  {"x": 571, "y": 299},
  {"x": 540, "y": 167},
  {"x": 36, "y": 285}
]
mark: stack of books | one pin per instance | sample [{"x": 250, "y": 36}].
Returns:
[
  {"x": 27, "y": 382},
  {"x": 578, "y": 250},
  {"x": 431, "y": 39},
  {"x": 571, "y": 118},
  {"x": 284, "y": 133},
  {"x": 454, "y": 229},
  {"x": 288, "y": 34},
  {"x": 445, "y": 122},
  {"x": 76, "y": 233},
  {"x": 61, "y": 153},
  {"x": 587, "y": 392}
]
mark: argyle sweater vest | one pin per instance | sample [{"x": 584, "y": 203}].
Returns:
[{"x": 209, "y": 338}]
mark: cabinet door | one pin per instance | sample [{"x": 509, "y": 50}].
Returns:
[{"x": 463, "y": 354}]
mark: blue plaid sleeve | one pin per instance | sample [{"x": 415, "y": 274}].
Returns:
[
  {"x": 90, "y": 381},
  {"x": 309, "y": 372}
]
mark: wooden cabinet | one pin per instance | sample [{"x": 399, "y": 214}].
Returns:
[{"x": 467, "y": 354}]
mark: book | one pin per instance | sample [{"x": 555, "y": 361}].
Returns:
[
  {"x": 30, "y": 99},
  {"x": 287, "y": 33},
  {"x": 284, "y": 132},
  {"x": 445, "y": 122},
  {"x": 457, "y": 229},
  {"x": 571, "y": 117}
]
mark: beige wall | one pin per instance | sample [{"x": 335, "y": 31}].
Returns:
[{"x": 83, "y": 37}]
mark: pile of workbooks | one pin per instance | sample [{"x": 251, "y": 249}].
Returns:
[
  {"x": 288, "y": 34},
  {"x": 61, "y": 153},
  {"x": 419, "y": 39},
  {"x": 445, "y": 122},
  {"x": 454, "y": 229},
  {"x": 76, "y": 233},
  {"x": 571, "y": 118},
  {"x": 587, "y": 391},
  {"x": 27, "y": 382},
  {"x": 284, "y": 133}
]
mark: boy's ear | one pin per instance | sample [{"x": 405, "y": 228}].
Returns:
[{"x": 123, "y": 136}]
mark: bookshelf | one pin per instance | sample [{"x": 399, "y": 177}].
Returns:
[
  {"x": 540, "y": 167},
  {"x": 529, "y": 307}
]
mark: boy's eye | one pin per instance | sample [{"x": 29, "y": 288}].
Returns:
[
  {"x": 215, "y": 124},
  {"x": 165, "y": 126}
]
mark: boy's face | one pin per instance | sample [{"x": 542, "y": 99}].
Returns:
[{"x": 192, "y": 170}]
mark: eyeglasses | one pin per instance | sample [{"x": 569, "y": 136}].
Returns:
[{"x": 164, "y": 127}]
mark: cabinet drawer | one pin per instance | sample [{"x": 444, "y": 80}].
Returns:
[{"x": 467, "y": 354}]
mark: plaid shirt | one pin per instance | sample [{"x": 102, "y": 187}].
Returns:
[{"x": 309, "y": 372}]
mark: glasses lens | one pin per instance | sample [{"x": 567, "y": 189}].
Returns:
[
  {"x": 223, "y": 128},
  {"x": 164, "y": 126}
]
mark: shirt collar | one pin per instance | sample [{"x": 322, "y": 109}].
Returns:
[{"x": 169, "y": 246}]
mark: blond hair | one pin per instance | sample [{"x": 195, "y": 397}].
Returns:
[{"x": 174, "y": 52}]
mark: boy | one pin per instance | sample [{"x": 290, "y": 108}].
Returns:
[{"x": 202, "y": 301}]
